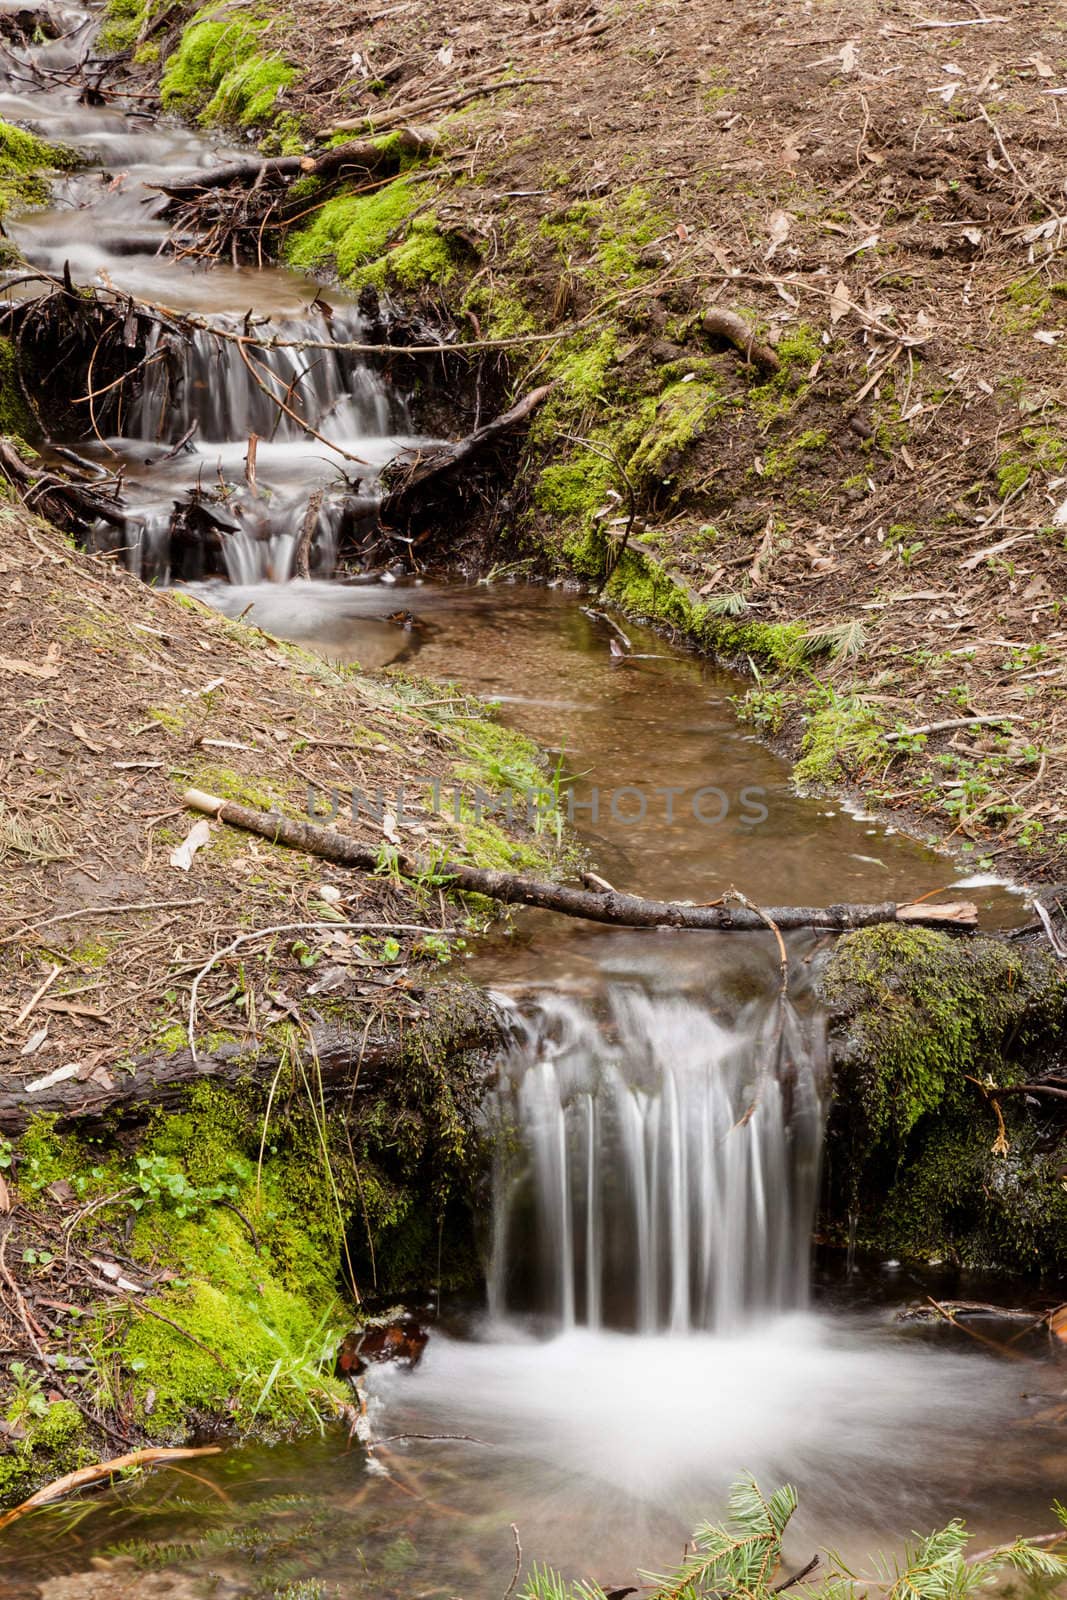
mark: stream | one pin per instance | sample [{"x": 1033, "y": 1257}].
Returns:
[{"x": 652, "y": 1325}]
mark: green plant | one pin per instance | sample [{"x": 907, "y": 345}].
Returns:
[
  {"x": 161, "y": 1180},
  {"x": 741, "y": 1559}
]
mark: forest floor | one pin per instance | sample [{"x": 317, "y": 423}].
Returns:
[{"x": 875, "y": 520}]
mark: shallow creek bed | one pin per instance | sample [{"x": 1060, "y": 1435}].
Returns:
[{"x": 594, "y": 1165}]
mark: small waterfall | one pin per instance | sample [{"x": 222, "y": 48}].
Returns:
[
  {"x": 200, "y": 403},
  {"x": 206, "y": 382},
  {"x": 653, "y": 1172}
]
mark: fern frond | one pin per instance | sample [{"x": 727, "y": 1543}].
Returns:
[
  {"x": 732, "y": 604},
  {"x": 841, "y": 640}
]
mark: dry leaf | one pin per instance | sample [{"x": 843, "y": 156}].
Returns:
[
  {"x": 868, "y": 244},
  {"x": 79, "y": 733},
  {"x": 28, "y": 669},
  {"x": 35, "y": 1041},
  {"x": 60, "y": 1075},
  {"x": 5, "y": 1195},
  {"x": 778, "y": 226},
  {"x": 840, "y": 303},
  {"x": 848, "y": 57},
  {"x": 389, "y": 827},
  {"x": 1042, "y": 67},
  {"x": 446, "y": 55},
  {"x": 198, "y": 836}
]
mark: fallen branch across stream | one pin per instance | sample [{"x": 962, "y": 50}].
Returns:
[
  {"x": 621, "y": 910},
  {"x": 364, "y": 155}
]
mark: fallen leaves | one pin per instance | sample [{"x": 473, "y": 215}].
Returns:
[
  {"x": 43, "y": 670},
  {"x": 181, "y": 857}
]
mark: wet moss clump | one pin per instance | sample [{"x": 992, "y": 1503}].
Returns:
[
  {"x": 44, "y": 1438},
  {"x": 258, "y": 1216},
  {"x": 15, "y": 418},
  {"x": 25, "y": 161},
  {"x": 924, "y": 1027},
  {"x": 678, "y": 418},
  {"x": 916, "y": 1010},
  {"x": 385, "y": 239}
]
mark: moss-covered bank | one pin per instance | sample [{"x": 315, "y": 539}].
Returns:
[
  {"x": 234, "y": 1239},
  {"x": 924, "y": 1028}
]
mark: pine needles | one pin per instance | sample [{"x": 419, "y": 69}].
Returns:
[{"x": 740, "y": 1560}]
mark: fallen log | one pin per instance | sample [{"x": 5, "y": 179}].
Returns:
[
  {"x": 609, "y": 906},
  {"x": 412, "y": 474},
  {"x": 160, "y": 1083}
]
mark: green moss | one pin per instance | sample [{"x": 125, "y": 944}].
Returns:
[
  {"x": 957, "y": 1198},
  {"x": 678, "y": 418},
  {"x": 121, "y": 24},
  {"x": 259, "y": 1218},
  {"x": 172, "y": 718},
  {"x": 15, "y": 417},
  {"x": 643, "y": 587},
  {"x": 24, "y": 159},
  {"x": 840, "y": 738},
  {"x": 916, "y": 1010},
  {"x": 55, "y": 1442},
  {"x": 242, "y": 787},
  {"x": 220, "y": 73},
  {"x": 1029, "y": 302},
  {"x": 574, "y": 492},
  {"x": 797, "y": 350},
  {"x": 781, "y": 461},
  {"x": 1040, "y": 449},
  {"x": 359, "y": 236},
  {"x": 42, "y": 1155},
  {"x": 632, "y": 223},
  {"x": 580, "y": 369}
]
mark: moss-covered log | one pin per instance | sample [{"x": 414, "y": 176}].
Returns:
[
  {"x": 923, "y": 1030},
  {"x": 344, "y": 1059}
]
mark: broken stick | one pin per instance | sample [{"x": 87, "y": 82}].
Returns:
[{"x": 103, "y": 1469}]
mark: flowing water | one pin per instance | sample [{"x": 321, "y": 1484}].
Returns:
[{"x": 650, "y": 1328}]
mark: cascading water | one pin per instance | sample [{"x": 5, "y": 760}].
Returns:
[
  {"x": 656, "y": 1169},
  {"x": 234, "y": 449},
  {"x": 243, "y": 417}
]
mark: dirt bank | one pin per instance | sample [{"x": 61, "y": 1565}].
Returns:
[{"x": 861, "y": 499}]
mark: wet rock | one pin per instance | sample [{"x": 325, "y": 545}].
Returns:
[{"x": 401, "y": 1340}]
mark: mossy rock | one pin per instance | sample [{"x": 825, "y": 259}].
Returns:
[
  {"x": 24, "y": 162},
  {"x": 914, "y": 1011},
  {"x": 914, "y": 1155}
]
